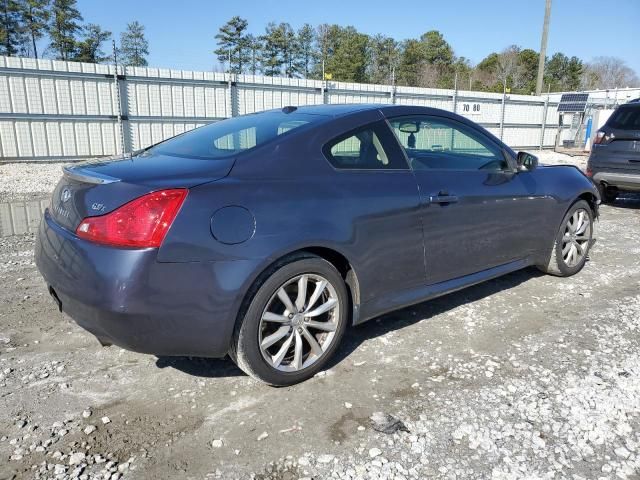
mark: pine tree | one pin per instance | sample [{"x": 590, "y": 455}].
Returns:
[
  {"x": 12, "y": 33},
  {"x": 253, "y": 47},
  {"x": 90, "y": 49},
  {"x": 63, "y": 28},
  {"x": 411, "y": 61},
  {"x": 232, "y": 43},
  {"x": 271, "y": 58},
  {"x": 306, "y": 54},
  {"x": 436, "y": 49},
  {"x": 384, "y": 56},
  {"x": 35, "y": 14},
  {"x": 345, "y": 51},
  {"x": 134, "y": 46}
]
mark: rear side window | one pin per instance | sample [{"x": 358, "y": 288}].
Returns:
[
  {"x": 234, "y": 135},
  {"x": 625, "y": 118},
  {"x": 367, "y": 148}
]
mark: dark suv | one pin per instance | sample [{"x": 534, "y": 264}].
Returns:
[{"x": 614, "y": 164}]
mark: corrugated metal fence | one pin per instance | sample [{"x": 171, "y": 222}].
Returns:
[
  {"x": 52, "y": 110},
  {"x": 17, "y": 218}
]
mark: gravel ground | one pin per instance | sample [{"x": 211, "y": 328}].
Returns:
[
  {"x": 527, "y": 376},
  {"x": 28, "y": 181}
]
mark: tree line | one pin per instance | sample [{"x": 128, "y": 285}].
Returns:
[
  {"x": 343, "y": 53},
  {"x": 337, "y": 52},
  {"x": 24, "y": 23}
]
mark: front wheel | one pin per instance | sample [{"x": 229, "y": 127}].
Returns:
[
  {"x": 572, "y": 242},
  {"x": 293, "y": 324}
]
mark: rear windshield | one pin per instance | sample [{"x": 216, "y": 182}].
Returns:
[
  {"x": 625, "y": 118},
  {"x": 234, "y": 135}
]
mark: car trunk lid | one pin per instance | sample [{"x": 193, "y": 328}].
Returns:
[{"x": 100, "y": 186}]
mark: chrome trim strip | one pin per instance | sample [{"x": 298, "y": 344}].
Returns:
[{"x": 80, "y": 175}]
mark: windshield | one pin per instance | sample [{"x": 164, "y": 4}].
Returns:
[{"x": 234, "y": 135}]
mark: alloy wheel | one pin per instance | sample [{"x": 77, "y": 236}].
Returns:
[
  {"x": 299, "y": 323},
  {"x": 576, "y": 237}
]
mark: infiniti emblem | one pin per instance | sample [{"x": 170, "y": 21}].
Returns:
[{"x": 65, "y": 195}]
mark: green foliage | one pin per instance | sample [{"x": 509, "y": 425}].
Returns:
[
  {"x": 306, "y": 55},
  {"x": 64, "y": 26},
  {"x": 90, "y": 48},
  {"x": 35, "y": 15},
  {"x": 133, "y": 46},
  {"x": 280, "y": 50},
  {"x": 346, "y": 54},
  {"x": 436, "y": 49},
  {"x": 253, "y": 47},
  {"x": 384, "y": 55},
  {"x": 271, "y": 58},
  {"x": 411, "y": 61},
  {"x": 12, "y": 31},
  {"x": 528, "y": 63},
  {"x": 232, "y": 44},
  {"x": 563, "y": 73},
  {"x": 428, "y": 62}
]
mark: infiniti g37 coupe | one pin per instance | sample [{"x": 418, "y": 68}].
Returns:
[{"x": 265, "y": 235}]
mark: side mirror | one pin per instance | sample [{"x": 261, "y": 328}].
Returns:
[{"x": 526, "y": 161}]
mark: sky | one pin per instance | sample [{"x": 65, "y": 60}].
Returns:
[{"x": 181, "y": 33}]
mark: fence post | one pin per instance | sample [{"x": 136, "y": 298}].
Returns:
[
  {"x": 504, "y": 100},
  {"x": 123, "y": 110},
  {"x": 544, "y": 121},
  {"x": 122, "y": 104},
  {"x": 232, "y": 92},
  {"x": 455, "y": 92}
]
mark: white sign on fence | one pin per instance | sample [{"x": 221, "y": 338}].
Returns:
[{"x": 467, "y": 108}]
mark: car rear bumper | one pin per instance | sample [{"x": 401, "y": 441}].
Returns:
[
  {"x": 127, "y": 298},
  {"x": 625, "y": 181}
]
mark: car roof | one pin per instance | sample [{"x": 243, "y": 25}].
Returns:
[
  {"x": 335, "y": 109},
  {"x": 343, "y": 109}
]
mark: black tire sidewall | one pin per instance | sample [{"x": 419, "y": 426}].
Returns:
[
  {"x": 563, "y": 267},
  {"x": 607, "y": 194},
  {"x": 247, "y": 337}
]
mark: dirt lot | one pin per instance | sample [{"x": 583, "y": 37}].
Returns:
[{"x": 527, "y": 376}]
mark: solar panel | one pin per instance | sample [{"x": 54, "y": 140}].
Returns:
[{"x": 573, "y": 102}]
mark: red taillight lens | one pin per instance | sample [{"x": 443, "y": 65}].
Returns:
[
  {"x": 589, "y": 172},
  {"x": 599, "y": 137},
  {"x": 141, "y": 223}
]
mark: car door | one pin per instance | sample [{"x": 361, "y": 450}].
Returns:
[
  {"x": 379, "y": 195},
  {"x": 478, "y": 212}
]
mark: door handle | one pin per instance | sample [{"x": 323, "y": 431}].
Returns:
[{"x": 443, "y": 197}]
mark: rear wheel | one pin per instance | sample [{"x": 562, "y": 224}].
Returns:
[
  {"x": 293, "y": 324},
  {"x": 608, "y": 194},
  {"x": 572, "y": 242}
]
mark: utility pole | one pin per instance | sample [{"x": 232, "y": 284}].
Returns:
[{"x": 543, "y": 46}]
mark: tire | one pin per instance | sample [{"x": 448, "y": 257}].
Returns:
[
  {"x": 252, "y": 347},
  {"x": 608, "y": 194},
  {"x": 565, "y": 264}
]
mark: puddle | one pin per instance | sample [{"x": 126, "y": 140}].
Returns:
[{"x": 20, "y": 217}]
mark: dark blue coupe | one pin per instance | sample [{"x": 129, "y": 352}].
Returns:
[{"x": 264, "y": 236}]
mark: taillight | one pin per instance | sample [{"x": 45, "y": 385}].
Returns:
[
  {"x": 141, "y": 223},
  {"x": 599, "y": 137},
  {"x": 589, "y": 172},
  {"x": 602, "y": 138}
]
